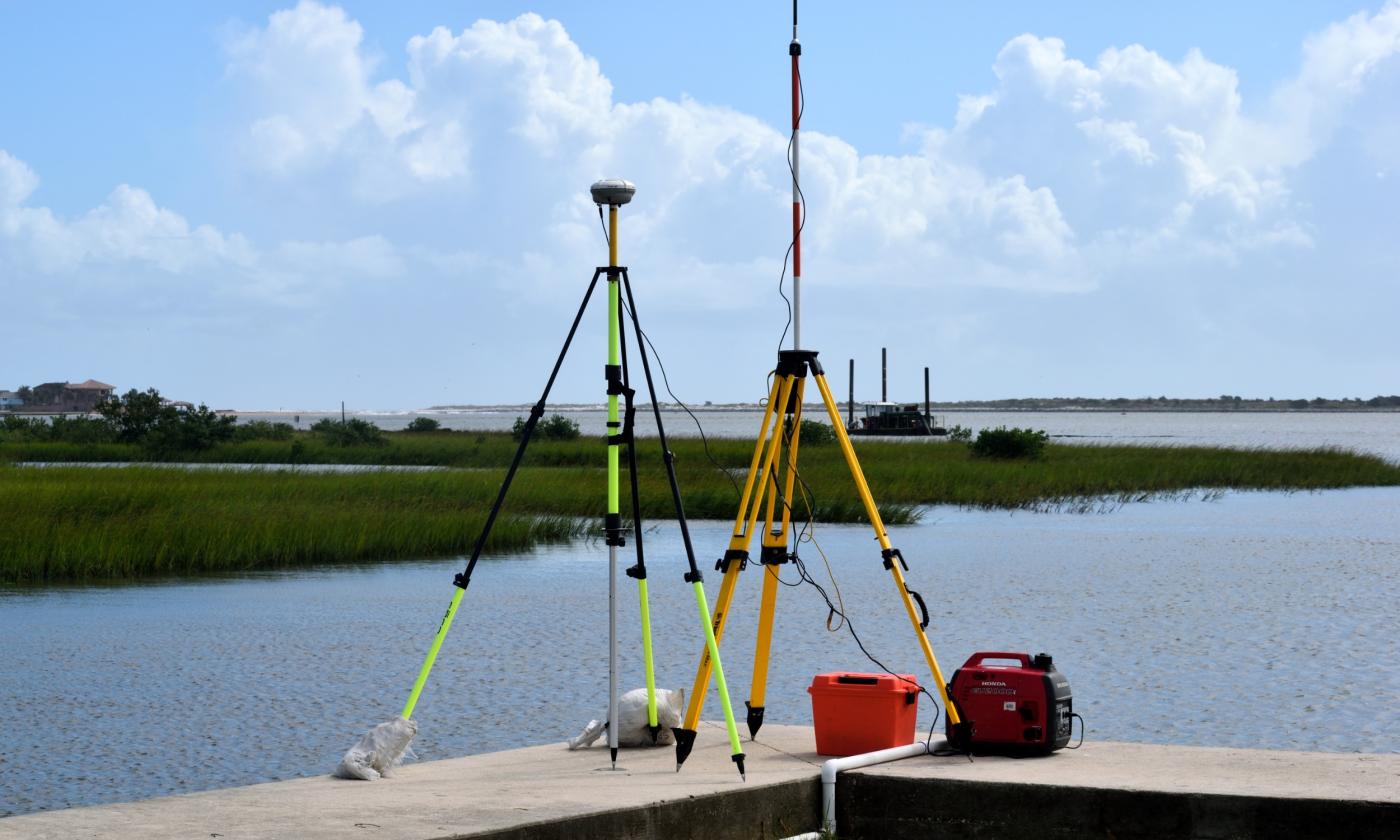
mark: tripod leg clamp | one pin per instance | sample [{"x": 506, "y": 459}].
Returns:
[
  {"x": 722, "y": 564},
  {"x": 612, "y": 529},
  {"x": 774, "y": 555},
  {"x": 613, "y": 373},
  {"x": 891, "y": 555},
  {"x": 629, "y": 419}
]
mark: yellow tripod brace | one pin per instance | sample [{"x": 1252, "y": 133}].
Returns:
[{"x": 775, "y": 460}]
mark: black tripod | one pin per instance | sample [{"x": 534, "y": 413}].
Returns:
[{"x": 620, "y": 434}]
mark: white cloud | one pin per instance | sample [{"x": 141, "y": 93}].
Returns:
[
  {"x": 460, "y": 165},
  {"x": 1338, "y": 64},
  {"x": 517, "y": 108},
  {"x": 136, "y": 242},
  {"x": 1035, "y": 183},
  {"x": 314, "y": 82},
  {"x": 127, "y": 227},
  {"x": 1212, "y": 178},
  {"x": 17, "y": 181},
  {"x": 1119, "y": 137}
]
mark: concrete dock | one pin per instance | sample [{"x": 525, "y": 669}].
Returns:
[{"x": 1103, "y": 790}]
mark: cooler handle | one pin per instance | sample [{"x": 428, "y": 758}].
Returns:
[
  {"x": 851, "y": 679},
  {"x": 982, "y": 656}
]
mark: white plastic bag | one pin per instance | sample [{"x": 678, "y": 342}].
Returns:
[
  {"x": 379, "y": 751},
  {"x": 632, "y": 729}
]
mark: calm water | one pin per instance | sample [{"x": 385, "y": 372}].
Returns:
[
  {"x": 1255, "y": 620},
  {"x": 1376, "y": 432}
]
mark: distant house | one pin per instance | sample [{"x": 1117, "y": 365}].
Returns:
[
  {"x": 9, "y": 401},
  {"x": 91, "y": 390},
  {"x": 62, "y": 397}
]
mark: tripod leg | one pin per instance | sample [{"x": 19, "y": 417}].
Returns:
[
  {"x": 462, "y": 580},
  {"x": 774, "y": 554},
  {"x": 767, "y": 606},
  {"x": 443, "y": 627},
  {"x": 685, "y": 739},
  {"x": 736, "y": 557},
  {"x": 638, "y": 571},
  {"x": 893, "y": 559}
]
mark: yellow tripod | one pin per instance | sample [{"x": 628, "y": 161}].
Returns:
[{"x": 775, "y": 461}]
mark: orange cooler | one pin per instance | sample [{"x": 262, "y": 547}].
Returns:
[{"x": 860, "y": 713}]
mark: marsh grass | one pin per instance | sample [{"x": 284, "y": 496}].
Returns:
[
  {"x": 84, "y": 523},
  {"x": 74, "y": 523}
]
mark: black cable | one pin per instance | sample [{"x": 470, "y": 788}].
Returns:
[
  {"x": 807, "y": 533},
  {"x": 1081, "y": 730},
  {"x": 704, "y": 441},
  {"x": 801, "y": 203}
]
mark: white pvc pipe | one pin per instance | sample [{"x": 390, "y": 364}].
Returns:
[{"x": 851, "y": 762}]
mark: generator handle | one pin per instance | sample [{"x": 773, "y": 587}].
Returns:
[{"x": 978, "y": 658}]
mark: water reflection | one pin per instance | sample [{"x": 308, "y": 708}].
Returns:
[{"x": 1255, "y": 620}]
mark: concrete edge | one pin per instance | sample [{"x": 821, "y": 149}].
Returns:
[
  {"x": 886, "y": 806},
  {"x": 760, "y": 812}
]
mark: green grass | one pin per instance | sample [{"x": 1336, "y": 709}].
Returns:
[
  {"x": 76, "y": 523},
  {"x": 83, "y": 523}
]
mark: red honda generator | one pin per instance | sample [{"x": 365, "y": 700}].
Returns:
[{"x": 1010, "y": 703}]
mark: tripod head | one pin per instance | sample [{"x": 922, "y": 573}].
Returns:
[{"x": 613, "y": 192}]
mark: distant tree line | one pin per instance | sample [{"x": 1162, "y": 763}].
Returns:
[{"x": 146, "y": 419}]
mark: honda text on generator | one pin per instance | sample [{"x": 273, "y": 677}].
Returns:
[{"x": 1023, "y": 708}]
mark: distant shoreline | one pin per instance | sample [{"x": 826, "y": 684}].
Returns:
[
  {"x": 753, "y": 407},
  {"x": 938, "y": 408}
]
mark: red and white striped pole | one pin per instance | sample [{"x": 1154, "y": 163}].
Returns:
[{"x": 795, "y": 50}]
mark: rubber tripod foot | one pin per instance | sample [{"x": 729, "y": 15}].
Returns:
[
  {"x": 755, "y": 719},
  {"x": 685, "y": 741},
  {"x": 739, "y": 760},
  {"x": 960, "y": 736}
]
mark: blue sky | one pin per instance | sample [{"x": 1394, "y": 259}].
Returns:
[{"x": 263, "y": 205}]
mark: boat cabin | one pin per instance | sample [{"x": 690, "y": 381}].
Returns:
[{"x": 887, "y": 418}]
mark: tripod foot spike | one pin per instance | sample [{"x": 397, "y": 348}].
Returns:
[
  {"x": 739, "y": 760},
  {"x": 614, "y": 758},
  {"x": 755, "y": 719},
  {"x": 655, "y": 732},
  {"x": 685, "y": 741}
]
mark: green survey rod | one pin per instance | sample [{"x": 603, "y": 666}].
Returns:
[
  {"x": 615, "y": 193},
  {"x": 613, "y": 525}
]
